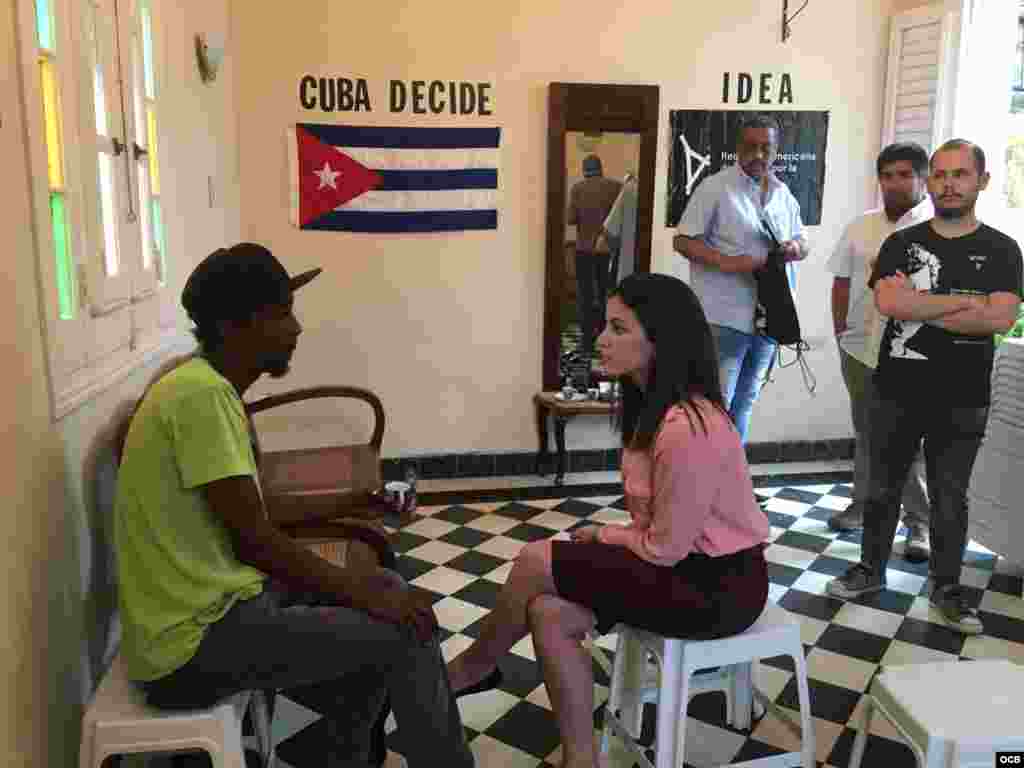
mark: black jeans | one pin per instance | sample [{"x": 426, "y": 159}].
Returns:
[
  {"x": 591, "y": 294},
  {"x": 952, "y": 436}
]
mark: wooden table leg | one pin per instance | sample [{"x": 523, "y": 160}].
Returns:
[
  {"x": 540, "y": 464},
  {"x": 560, "y": 422}
]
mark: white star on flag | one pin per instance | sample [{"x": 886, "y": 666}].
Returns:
[{"x": 328, "y": 178}]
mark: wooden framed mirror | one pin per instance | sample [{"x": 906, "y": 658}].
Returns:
[{"x": 618, "y": 124}]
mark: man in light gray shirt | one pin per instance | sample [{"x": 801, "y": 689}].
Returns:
[
  {"x": 902, "y": 175},
  {"x": 723, "y": 234}
]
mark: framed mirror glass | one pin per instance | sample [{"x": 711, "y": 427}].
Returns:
[{"x": 601, "y": 156}]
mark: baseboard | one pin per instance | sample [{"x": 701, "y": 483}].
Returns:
[{"x": 456, "y": 465}]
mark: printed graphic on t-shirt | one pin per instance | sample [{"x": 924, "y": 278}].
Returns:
[{"x": 923, "y": 269}]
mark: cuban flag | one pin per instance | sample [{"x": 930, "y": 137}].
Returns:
[{"x": 380, "y": 179}]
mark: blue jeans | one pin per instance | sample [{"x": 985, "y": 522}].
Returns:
[{"x": 743, "y": 361}]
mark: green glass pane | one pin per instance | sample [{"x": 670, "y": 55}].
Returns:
[
  {"x": 158, "y": 238},
  {"x": 44, "y": 24},
  {"x": 65, "y": 274},
  {"x": 147, "y": 50}
]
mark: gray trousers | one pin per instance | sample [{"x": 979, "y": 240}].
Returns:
[
  {"x": 283, "y": 640},
  {"x": 860, "y": 385}
]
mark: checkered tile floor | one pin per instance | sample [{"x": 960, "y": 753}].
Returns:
[{"x": 462, "y": 552}]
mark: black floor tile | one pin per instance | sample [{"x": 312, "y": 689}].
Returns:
[
  {"x": 412, "y": 568},
  {"x": 931, "y": 635},
  {"x": 887, "y": 600},
  {"x": 879, "y": 751},
  {"x": 518, "y": 511},
  {"x": 832, "y": 566},
  {"x": 529, "y": 727},
  {"x": 458, "y": 515},
  {"x": 466, "y": 537},
  {"x": 820, "y": 513},
  {"x": 481, "y": 592},
  {"x": 476, "y": 563},
  {"x": 521, "y": 676},
  {"x": 829, "y": 702},
  {"x": 403, "y": 541},
  {"x": 819, "y": 607},
  {"x": 1009, "y": 585},
  {"x": 1003, "y": 627},
  {"x": 783, "y": 575},
  {"x": 799, "y": 494},
  {"x": 805, "y": 541},
  {"x": 780, "y": 520},
  {"x": 853, "y": 642},
  {"x": 577, "y": 508},
  {"x": 528, "y": 533}
]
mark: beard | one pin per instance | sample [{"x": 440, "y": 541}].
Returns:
[
  {"x": 278, "y": 367},
  {"x": 949, "y": 214}
]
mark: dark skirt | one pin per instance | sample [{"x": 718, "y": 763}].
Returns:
[{"x": 700, "y": 598}]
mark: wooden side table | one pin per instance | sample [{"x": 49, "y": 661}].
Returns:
[{"x": 562, "y": 410}]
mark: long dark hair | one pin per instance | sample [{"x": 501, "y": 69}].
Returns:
[{"x": 685, "y": 364}]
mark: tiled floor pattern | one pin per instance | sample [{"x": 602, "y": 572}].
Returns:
[{"x": 461, "y": 553}]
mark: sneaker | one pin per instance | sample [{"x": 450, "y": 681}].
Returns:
[
  {"x": 849, "y": 519},
  {"x": 918, "y": 547},
  {"x": 951, "y": 603},
  {"x": 858, "y": 580}
]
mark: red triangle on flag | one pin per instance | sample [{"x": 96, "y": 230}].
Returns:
[{"x": 328, "y": 178}]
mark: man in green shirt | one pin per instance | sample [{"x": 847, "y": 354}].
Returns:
[{"x": 214, "y": 598}]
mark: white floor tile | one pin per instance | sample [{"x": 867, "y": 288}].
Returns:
[
  {"x": 444, "y": 581},
  {"x": 438, "y": 552}
]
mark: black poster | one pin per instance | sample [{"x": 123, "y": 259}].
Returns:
[{"x": 704, "y": 142}]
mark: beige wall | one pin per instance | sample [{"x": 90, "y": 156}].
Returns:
[
  {"x": 447, "y": 328},
  {"x": 58, "y": 599}
]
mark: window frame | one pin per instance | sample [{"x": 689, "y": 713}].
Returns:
[{"x": 112, "y": 333}]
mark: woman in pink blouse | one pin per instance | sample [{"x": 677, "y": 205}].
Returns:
[{"x": 689, "y": 564}]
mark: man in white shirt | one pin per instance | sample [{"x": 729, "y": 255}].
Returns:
[
  {"x": 722, "y": 234},
  {"x": 902, "y": 176}
]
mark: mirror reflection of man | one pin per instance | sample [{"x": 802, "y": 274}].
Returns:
[
  {"x": 590, "y": 201},
  {"x": 722, "y": 236}
]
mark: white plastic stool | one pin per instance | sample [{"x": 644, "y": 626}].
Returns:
[
  {"x": 118, "y": 722},
  {"x": 641, "y": 677},
  {"x": 775, "y": 633},
  {"x": 955, "y": 714}
]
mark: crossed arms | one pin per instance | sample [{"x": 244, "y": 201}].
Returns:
[{"x": 969, "y": 315}]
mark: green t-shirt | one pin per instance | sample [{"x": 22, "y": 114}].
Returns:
[{"x": 177, "y": 569}]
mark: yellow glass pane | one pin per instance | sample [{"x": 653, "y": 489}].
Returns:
[
  {"x": 154, "y": 163},
  {"x": 51, "y": 118}
]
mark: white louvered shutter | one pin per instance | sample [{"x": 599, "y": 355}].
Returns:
[{"x": 921, "y": 49}]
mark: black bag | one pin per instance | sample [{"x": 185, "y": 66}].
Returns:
[
  {"x": 776, "y": 312},
  {"x": 775, "y": 315}
]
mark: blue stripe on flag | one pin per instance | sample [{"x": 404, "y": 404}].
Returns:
[
  {"x": 404, "y": 138},
  {"x": 399, "y": 221},
  {"x": 472, "y": 178}
]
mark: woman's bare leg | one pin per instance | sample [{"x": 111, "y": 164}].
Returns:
[
  {"x": 558, "y": 628},
  {"x": 507, "y": 623}
]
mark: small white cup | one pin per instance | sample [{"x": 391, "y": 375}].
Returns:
[{"x": 396, "y": 490}]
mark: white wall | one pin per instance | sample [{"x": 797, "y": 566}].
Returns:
[
  {"x": 447, "y": 328},
  {"x": 57, "y": 621}
]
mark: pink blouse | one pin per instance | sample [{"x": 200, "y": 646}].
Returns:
[{"x": 692, "y": 492}]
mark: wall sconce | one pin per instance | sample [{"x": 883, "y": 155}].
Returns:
[{"x": 209, "y": 56}]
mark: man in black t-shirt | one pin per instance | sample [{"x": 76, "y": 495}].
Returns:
[{"x": 945, "y": 286}]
